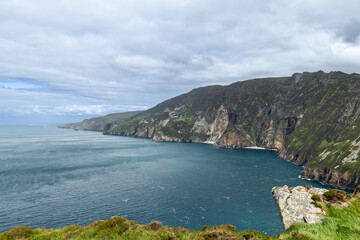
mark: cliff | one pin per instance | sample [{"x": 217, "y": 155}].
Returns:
[
  {"x": 312, "y": 119},
  {"x": 102, "y": 123}
]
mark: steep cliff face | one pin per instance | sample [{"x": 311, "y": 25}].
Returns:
[
  {"x": 343, "y": 179},
  {"x": 243, "y": 114},
  {"x": 313, "y": 119}
]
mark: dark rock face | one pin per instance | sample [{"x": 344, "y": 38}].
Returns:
[
  {"x": 313, "y": 119},
  {"x": 347, "y": 179}
]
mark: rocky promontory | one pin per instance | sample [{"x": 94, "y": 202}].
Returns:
[
  {"x": 296, "y": 205},
  {"x": 307, "y": 204}
]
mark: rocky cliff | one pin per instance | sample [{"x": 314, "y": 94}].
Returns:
[
  {"x": 312, "y": 119},
  {"x": 296, "y": 205},
  {"x": 307, "y": 204},
  {"x": 102, "y": 123}
]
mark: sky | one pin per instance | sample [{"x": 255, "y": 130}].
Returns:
[{"x": 63, "y": 61}]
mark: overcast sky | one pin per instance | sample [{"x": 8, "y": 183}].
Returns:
[{"x": 67, "y": 60}]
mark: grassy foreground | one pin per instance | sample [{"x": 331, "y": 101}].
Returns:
[{"x": 341, "y": 222}]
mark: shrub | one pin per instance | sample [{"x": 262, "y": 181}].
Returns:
[
  {"x": 112, "y": 222},
  {"x": 317, "y": 197},
  {"x": 336, "y": 195},
  {"x": 155, "y": 225},
  {"x": 213, "y": 235},
  {"x": 20, "y": 232},
  {"x": 357, "y": 191}
]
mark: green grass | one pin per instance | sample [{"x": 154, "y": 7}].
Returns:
[
  {"x": 339, "y": 223},
  {"x": 120, "y": 228}
]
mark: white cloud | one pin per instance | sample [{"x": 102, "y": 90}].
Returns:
[{"x": 139, "y": 53}]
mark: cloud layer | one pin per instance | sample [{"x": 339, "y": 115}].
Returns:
[{"x": 93, "y": 57}]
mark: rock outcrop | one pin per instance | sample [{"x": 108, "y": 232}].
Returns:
[
  {"x": 340, "y": 179},
  {"x": 295, "y": 205}
]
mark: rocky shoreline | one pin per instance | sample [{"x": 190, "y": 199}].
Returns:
[
  {"x": 333, "y": 178},
  {"x": 311, "y": 119}
]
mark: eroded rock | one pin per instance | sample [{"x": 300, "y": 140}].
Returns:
[{"x": 295, "y": 205}]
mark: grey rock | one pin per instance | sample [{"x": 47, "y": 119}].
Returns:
[{"x": 294, "y": 205}]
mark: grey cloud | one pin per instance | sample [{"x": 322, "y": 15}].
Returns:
[
  {"x": 138, "y": 53},
  {"x": 351, "y": 31}
]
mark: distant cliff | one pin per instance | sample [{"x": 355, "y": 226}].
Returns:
[
  {"x": 312, "y": 119},
  {"x": 102, "y": 123}
]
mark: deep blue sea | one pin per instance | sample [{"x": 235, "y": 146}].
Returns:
[{"x": 57, "y": 177}]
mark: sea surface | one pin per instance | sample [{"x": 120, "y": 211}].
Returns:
[{"x": 57, "y": 177}]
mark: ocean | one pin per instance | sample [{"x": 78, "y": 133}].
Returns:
[{"x": 58, "y": 177}]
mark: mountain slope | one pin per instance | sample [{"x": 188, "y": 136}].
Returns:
[
  {"x": 102, "y": 123},
  {"x": 313, "y": 119}
]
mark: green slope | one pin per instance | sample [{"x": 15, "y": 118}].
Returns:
[{"x": 102, "y": 123}]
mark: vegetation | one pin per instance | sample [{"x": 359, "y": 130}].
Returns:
[
  {"x": 313, "y": 118},
  {"x": 102, "y": 123},
  {"x": 120, "y": 228},
  {"x": 336, "y": 195},
  {"x": 341, "y": 222}
]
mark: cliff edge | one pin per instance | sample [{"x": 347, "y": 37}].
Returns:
[{"x": 296, "y": 205}]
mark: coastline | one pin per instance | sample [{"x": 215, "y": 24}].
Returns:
[{"x": 262, "y": 148}]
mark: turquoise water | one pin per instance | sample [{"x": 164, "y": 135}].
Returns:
[{"x": 57, "y": 177}]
